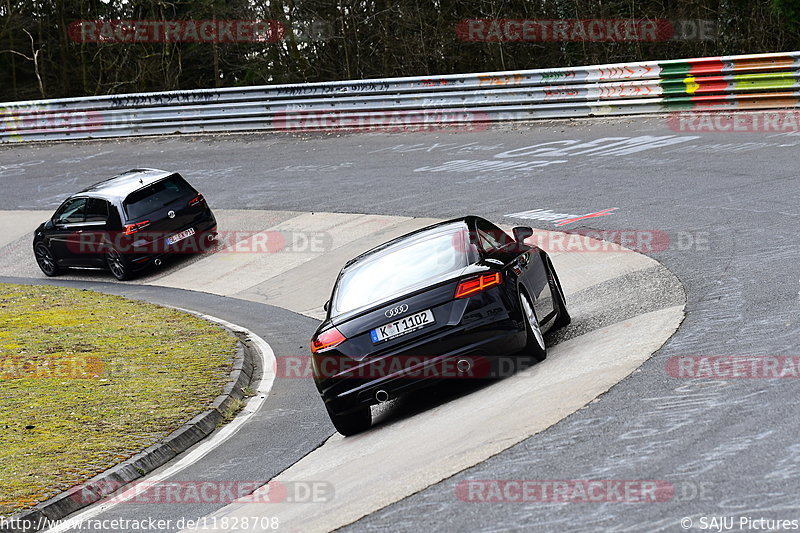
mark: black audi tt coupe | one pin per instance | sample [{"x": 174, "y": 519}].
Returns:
[
  {"x": 125, "y": 224},
  {"x": 429, "y": 305}
]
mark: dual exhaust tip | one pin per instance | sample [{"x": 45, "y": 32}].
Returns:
[{"x": 462, "y": 365}]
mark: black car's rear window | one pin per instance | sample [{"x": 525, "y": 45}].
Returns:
[
  {"x": 156, "y": 195},
  {"x": 400, "y": 268}
]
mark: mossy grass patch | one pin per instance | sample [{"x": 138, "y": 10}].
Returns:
[{"x": 89, "y": 379}]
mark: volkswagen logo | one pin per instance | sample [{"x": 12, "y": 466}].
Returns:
[
  {"x": 394, "y": 311},
  {"x": 171, "y": 214}
]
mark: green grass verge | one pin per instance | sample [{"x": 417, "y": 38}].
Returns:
[{"x": 88, "y": 379}]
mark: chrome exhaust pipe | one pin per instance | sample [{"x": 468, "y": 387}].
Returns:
[
  {"x": 157, "y": 262},
  {"x": 382, "y": 396},
  {"x": 463, "y": 365}
]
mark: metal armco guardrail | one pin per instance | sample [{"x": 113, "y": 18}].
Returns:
[{"x": 763, "y": 81}]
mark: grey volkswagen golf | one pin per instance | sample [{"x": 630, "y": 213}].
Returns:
[{"x": 125, "y": 224}]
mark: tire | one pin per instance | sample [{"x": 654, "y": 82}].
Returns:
[
  {"x": 535, "y": 346},
  {"x": 118, "y": 265},
  {"x": 46, "y": 260},
  {"x": 352, "y": 422},
  {"x": 563, "y": 319}
]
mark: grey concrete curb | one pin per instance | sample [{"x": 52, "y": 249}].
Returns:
[{"x": 152, "y": 457}]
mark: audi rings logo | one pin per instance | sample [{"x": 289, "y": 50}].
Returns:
[{"x": 394, "y": 311}]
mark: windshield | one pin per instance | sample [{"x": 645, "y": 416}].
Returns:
[
  {"x": 401, "y": 267},
  {"x": 157, "y": 195}
]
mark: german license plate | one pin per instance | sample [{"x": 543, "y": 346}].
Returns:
[
  {"x": 401, "y": 326},
  {"x": 180, "y": 236}
]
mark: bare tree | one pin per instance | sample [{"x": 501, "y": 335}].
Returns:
[{"x": 34, "y": 58}]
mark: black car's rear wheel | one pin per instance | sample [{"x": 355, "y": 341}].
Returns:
[
  {"x": 352, "y": 422},
  {"x": 563, "y": 318},
  {"x": 118, "y": 264},
  {"x": 46, "y": 260},
  {"x": 535, "y": 346}
]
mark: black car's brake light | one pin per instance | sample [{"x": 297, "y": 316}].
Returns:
[
  {"x": 133, "y": 228},
  {"x": 471, "y": 286},
  {"x": 197, "y": 200},
  {"x": 327, "y": 339}
]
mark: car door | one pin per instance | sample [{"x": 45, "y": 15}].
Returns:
[
  {"x": 63, "y": 237},
  {"x": 93, "y": 233}
]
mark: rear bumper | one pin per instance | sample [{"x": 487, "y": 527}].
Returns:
[
  {"x": 411, "y": 369},
  {"x": 205, "y": 235}
]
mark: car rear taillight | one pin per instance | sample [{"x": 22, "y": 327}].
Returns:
[
  {"x": 196, "y": 200},
  {"x": 471, "y": 286},
  {"x": 327, "y": 339},
  {"x": 133, "y": 228}
]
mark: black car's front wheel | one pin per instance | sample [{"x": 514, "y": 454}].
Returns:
[
  {"x": 46, "y": 260},
  {"x": 118, "y": 265},
  {"x": 535, "y": 346},
  {"x": 351, "y": 422}
]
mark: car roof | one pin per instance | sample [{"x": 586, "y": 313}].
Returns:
[
  {"x": 121, "y": 185},
  {"x": 469, "y": 220}
]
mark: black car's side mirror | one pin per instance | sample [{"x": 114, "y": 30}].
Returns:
[
  {"x": 49, "y": 224},
  {"x": 327, "y": 306},
  {"x": 521, "y": 233}
]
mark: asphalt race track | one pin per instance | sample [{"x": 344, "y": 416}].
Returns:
[{"x": 727, "y": 203}]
